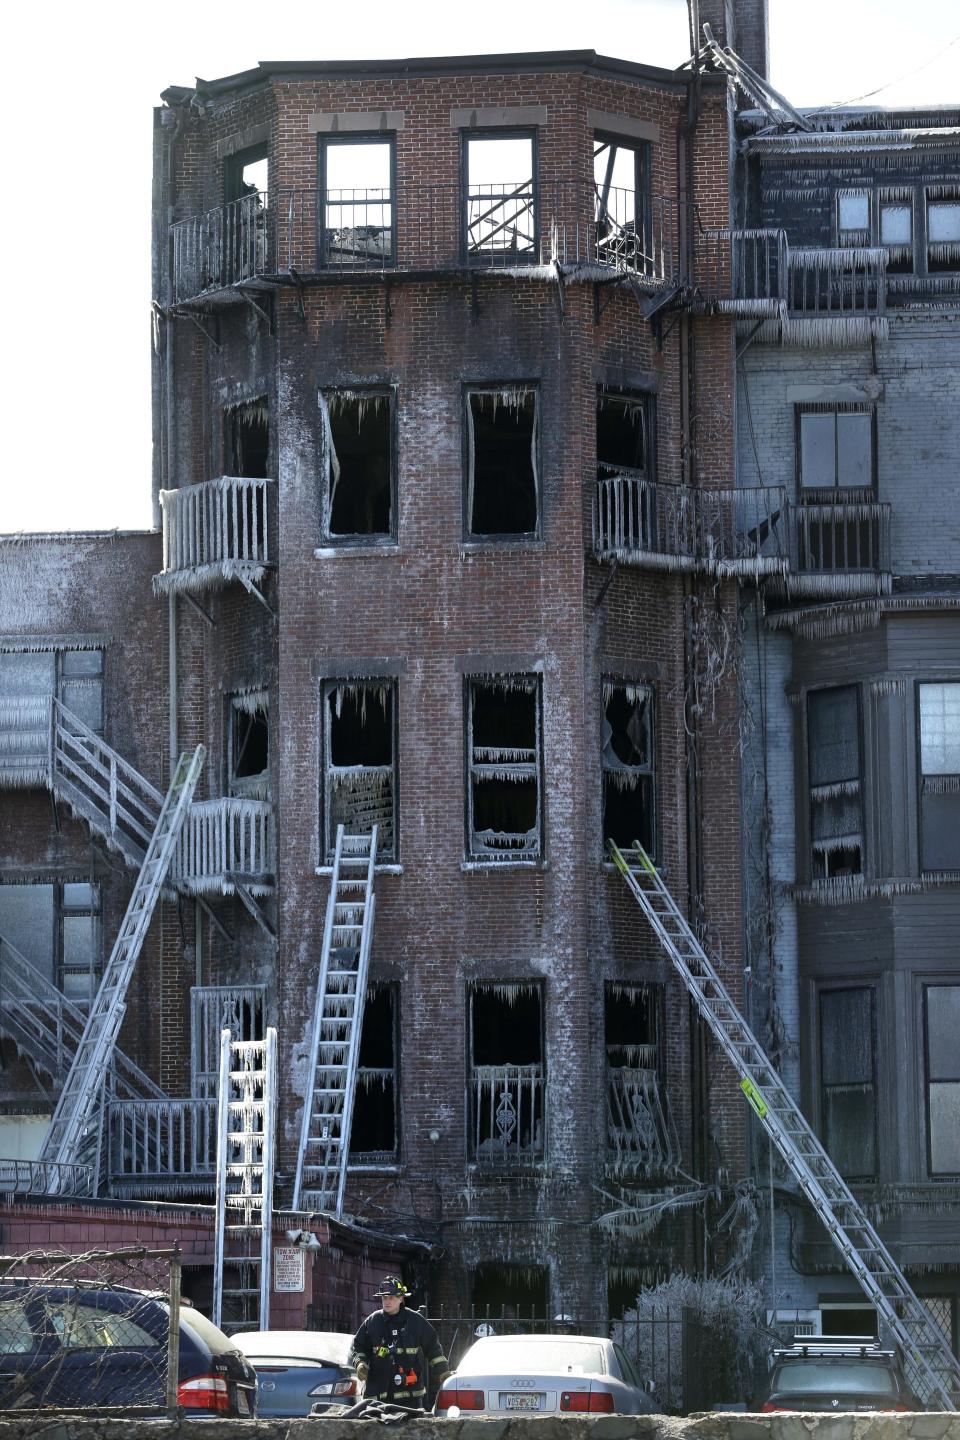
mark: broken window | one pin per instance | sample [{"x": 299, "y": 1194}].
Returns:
[
  {"x": 243, "y": 244},
  {"x": 357, "y": 462},
  {"x": 853, "y": 218},
  {"x": 500, "y": 196},
  {"x": 510, "y": 1298},
  {"x": 56, "y": 927},
  {"x": 939, "y": 776},
  {"x": 248, "y": 746},
  {"x": 834, "y": 763},
  {"x": 502, "y": 461},
  {"x": 246, "y": 173},
  {"x": 640, "y": 1133},
  {"x": 359, "y": 749},
  {"x": 942, "y": 1019},
  {"x": 247, "y": 439},
  {"x": 627, "y": 497},
  {"x": 943, "y": 228},
  {"x": 374, "y": 1132},
  {"x": 621, "y": 185},
  {"x": 627, "y": 762},
  {"x": 848, "y": 1081},
  {"x": 503, "y": 759},
  {"x": 356, "y": 187},
  {"x": 506, "y": 1073}
]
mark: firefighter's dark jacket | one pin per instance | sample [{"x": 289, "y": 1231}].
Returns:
[{"x": 404, "y": 1345}]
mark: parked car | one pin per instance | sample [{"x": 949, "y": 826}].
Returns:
[
  {"x": 841, "y": 1374},
  {"x": 299, "y": 1369},
  {"x": 83, "y": 1345},
  {"x": 545, "y": 1374}
]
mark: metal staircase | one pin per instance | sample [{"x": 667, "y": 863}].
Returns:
[
  {"x": 246, "y": 1109},
  {"x": 74, "y": 1128},
  {"x": 47, "y": 1028},
  {"x": 932, "y": 1371},
  {"x": 337, "y": 1023}
]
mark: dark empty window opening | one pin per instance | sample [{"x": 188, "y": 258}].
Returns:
[
  {"x": 249, "y": 742},
  {"x": 247, "y": 439},
  {"x": 631, "y": 1024},
  {"x": 626, "y": 1283},
  {"x": 939, "y": 777},
  {"x": 836, "y": 814},
  {"x": 503, "y": 785},
  {"x": 509, "y": 1297},
  {"x": 622, "y": 438},
  {"x": 627, "y": 760},
  {"x": 502, "y": 461},
  {"x": 848, "y": 1081},
  {"x": 374, "y": 1128},
  {"x": 943, "y": 228},
  {"x": 359, "y": 749},
  {"x": 506, "y": 1073},
  {"x": 358, "y": 462},
  {"x": 848, "y": 1320}
]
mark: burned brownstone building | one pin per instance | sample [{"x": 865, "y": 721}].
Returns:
[{"x": 451, "y": 556}]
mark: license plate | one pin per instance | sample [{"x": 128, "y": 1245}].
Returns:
[
  {"x": 522, "y": 1402},
  {"x": 243, "y": 1402}
]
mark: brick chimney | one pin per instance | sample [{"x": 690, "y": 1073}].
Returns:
[{"x": 743, "y": 25}]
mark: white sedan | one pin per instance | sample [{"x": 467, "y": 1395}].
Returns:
[{"x": 544, "y": 1375}]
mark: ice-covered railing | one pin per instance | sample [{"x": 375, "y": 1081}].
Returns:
[
  {"x": 215, "y": 532},
  {"x": 744, "y": 271},
  {"x": 640, "y": 1131},
  {"x": 506, "y": 1114},
  {"x": 225, "y": 843},
  {"x": 221, "y": 248},
  {"x": 161, "y": 1147},
  {"x": 676, "y": 527},
  {"x": 840, "y": 549}
]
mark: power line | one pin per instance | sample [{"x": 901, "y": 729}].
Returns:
[{"x": 905, "y": 76}]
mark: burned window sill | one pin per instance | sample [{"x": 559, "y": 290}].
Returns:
[
  {"x": 362, "y": 549},
  {"x": 374, "y": 1166},
  {"x": 389, "y": 868},
  {"x": 532, "y": 863},
  {"x": 501, "y": 542}
]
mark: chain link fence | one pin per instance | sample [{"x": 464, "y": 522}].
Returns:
[{"x": 92, "y": 1332}]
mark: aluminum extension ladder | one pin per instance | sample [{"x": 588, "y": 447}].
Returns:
[
  {"x": 337, "y": 1023},
  {"x": 246, "y": 1111},
  {"x": 932, "y": 1370},
  {"x": 79, "y": 1108}
]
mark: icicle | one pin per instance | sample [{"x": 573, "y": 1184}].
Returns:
[
  {"x": 888, "y": 686},
  {"x": 941, "y": 784},
  {"x": 354, "y": 689},
  {"x": 834, "y": 790},
  {"x": 251, "y": 699}
]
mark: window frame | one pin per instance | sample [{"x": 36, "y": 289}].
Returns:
[
  {"x": 937, "y": 194},
  {"x": 363, "y": 538},
  {"x": 483, "y": 257},
  {"x": 486, "y": 858},
  {"x": 364, "y": 1158},
  {"x": 836, "y": 493},
  {"x": 855, "y": 686},
  {"x": 619, "y": 683},
  {"x": 245, "y": 787},
  {"x": 61, "y": 910},
  {"x": 497, "y": 387},
  {"x": 535, "y": 1154},
  {"x": 327, "y": 686},
  {"x": 343, "y": 138},
  {"x": 928, "y": 985},
  {"x": 642, "y": 156},
  {"x": 841, "y": 987},
  {"x": 233, "y": 167},
  {"x": 921, "y": 777}
]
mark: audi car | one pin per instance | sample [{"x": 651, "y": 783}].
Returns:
[
  {"x": 545, "y": 1375},
  {"x": 298, "y": 1370}
]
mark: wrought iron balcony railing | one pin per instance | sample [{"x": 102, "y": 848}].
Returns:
[
  {"x": 640, "y": 1132},
  {"x": 225, "y": 843},
  {"x": 840, "y": 549},
  {"x": 417, "y": 227},
  {"x": 214, "y": 533},
  {"x": 161, "y": 1147},
  {"x": 675, "y": 527},
  {"x": 507, "y": 1114}
]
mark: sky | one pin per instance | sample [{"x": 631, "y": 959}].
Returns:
[{"x": 80, "y": 84}]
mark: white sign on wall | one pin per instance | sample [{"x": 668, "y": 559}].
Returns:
[{"x": 288, "y": 1269}]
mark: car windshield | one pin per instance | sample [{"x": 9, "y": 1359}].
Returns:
[
  {"x": 835, "y": 1377},
  {"x": 497, "y": 1355}
]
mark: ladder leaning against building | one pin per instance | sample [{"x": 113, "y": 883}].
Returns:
[{"x": 932, "y": 1370}]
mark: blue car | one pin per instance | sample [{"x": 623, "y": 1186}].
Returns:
[{"x": 83, "y": 1346}]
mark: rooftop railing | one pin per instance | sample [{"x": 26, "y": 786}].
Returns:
[
  {"x": 215, "y": 532},
  {"x": 676, "y": 527}
]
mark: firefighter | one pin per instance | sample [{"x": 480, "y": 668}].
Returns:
[{"x": 397, "y": 1353}]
